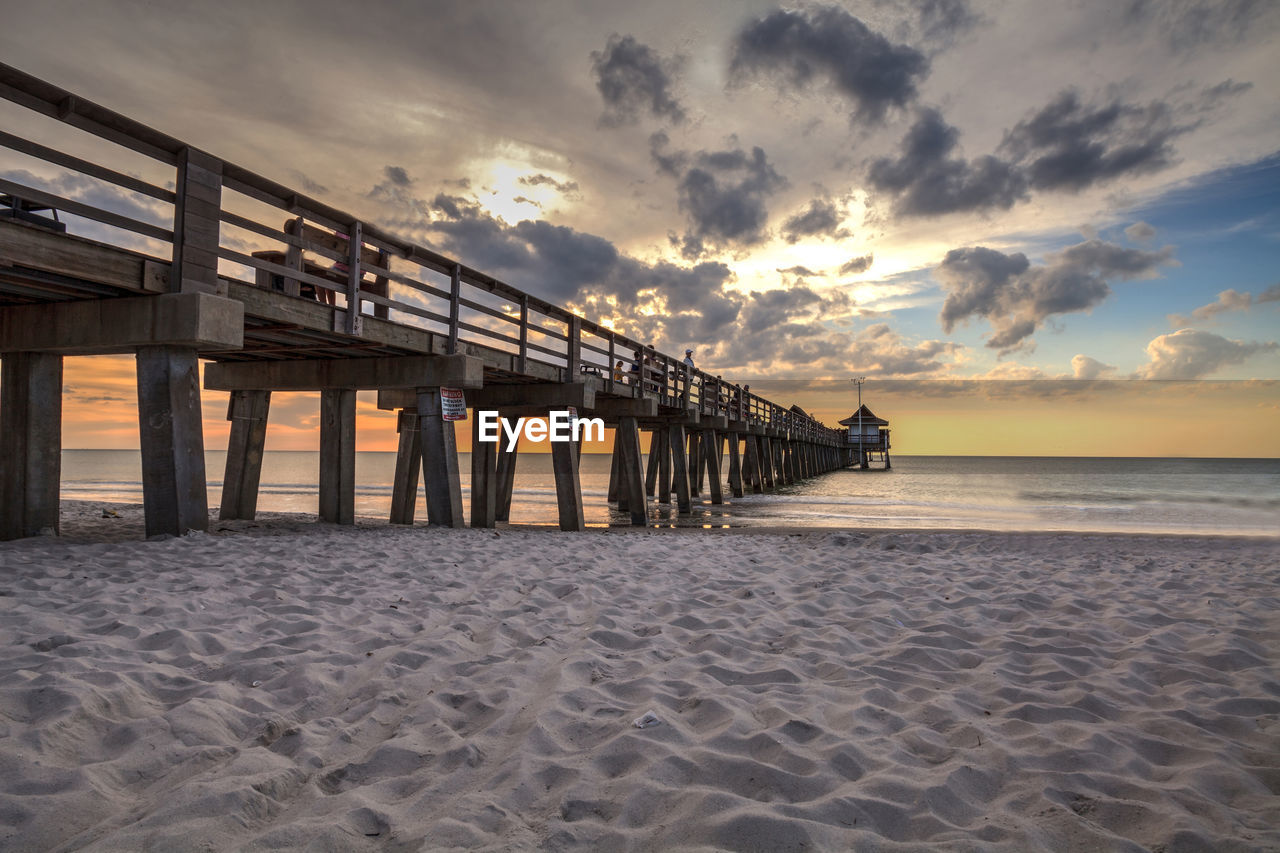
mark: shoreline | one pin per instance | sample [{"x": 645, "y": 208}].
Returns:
[{"x": 82, "y": 521}]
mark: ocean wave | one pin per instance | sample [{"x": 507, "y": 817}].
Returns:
[{"x": 1117, "y": 498}]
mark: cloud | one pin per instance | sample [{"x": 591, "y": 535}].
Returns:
[
  {"x": 565, "y": 188},
  {"x": 1228, "y": 300},
  {"x": 766, "y": 310},
  {"x": 857, "y": 265},
  {"x": 942, "y": 20},
  {"x": 634, "y": 80},
  {"x": 1140, "y": 232},
  {"x": 801, "y": 272},
  {"x": 113, "y": 199},
  {"x": 1012, "y": 371},
  {"x": 925, "y": 180},
  {"x": 772, "y": 332},
  {"x": 397, "y": 175},
  {"x": 820, "y": 218},
  {"x": 1064, "y": 146},
  {"x": 799, "y": 46},
  {"x": 1190, "y": 24},
  {"x": 566, "y": 266},
  {"x": 785, "y": 327},
  {"x": 1067, "y": 145},
  {"x": 1084, "y": 367},
  {"x": 723, "y": 194},
  {"x": 1016, "y": 297},
  {"x": 1192, "y": 354}
]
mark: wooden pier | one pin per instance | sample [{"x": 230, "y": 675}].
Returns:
[{"x": 320, "y": 301}]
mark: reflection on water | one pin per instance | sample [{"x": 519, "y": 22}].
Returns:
[{"x": 1236, "y": 496}]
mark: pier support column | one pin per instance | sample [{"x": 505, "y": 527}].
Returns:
[
  {"x": 680, "y": 468},
  {"x": 766, "y": 463},
  {"x": 30, "y": 443},
  {"x": 564, "y": 461},
  {"x": 404, "y": 487},
  {"x": 506, "y": 475},
  {"x": 615, "y": 472},
  {"x": 174, "y": 495},
  {"x": 695, "y": 463},
  {"x": 247, "y": 411},
  {"x": 484, "y": 477},
  {"x": 735, "y": 466},
  {"x": 439, "y": 462},
  {"x": 751, "y": 466},
  {"x": 651, "y": 466},
  {"x": 887, "y": 466},
  {"x": 631, "y": 483},
  {"x": 864, "y": 460},
  {"x": 711, "y": 451},
  {"x": 338, "y": 455},
  {"x": 662, "y": 446}
]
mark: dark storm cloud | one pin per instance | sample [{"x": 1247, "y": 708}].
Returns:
[
  {"x": 724, "y": 194},
  {"x": 820, "y": 218},
  {"x": 634, "y": 80},
  {"x": 799, "y": 46},
  {"x": 1068, "y": 145},
  {"x": 926, "y": 180},
  {"x": 1016, "y": 297},
  {"x": 857, "y": 265},
  {"x": 1192, "y": 354}
]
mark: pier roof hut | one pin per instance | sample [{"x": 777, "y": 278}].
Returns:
[{"x": 868, "y": 434}]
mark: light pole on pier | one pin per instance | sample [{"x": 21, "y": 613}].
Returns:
[{"x": 859, "y": 382}]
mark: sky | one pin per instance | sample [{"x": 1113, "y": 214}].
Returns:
[{"x": 937, "y": 190}]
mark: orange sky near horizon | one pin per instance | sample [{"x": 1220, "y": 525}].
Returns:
[{"x": 1175, "y": 419}]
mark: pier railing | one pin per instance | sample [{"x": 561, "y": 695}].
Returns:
[{"x": 222, "y": 222}]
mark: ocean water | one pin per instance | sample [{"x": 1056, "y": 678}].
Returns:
[{"x": 1223, "y": 496}]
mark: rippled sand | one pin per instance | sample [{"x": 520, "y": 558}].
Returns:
[{"x": 283, "y": 685}]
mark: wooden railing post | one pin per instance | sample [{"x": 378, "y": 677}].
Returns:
[
  {"x": 522, "y": 360},
  {"x": 293, "y": 256},
  {"x": 382, "y": 285},
  {"x": 197, "y": 224},
  {"x": 612, "y": 360},
  {"x": 355, "y": 248},
  {"x": 574, "y": 354},
  {"x": 455, "y": 296}
]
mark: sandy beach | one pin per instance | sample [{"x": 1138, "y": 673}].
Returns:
[{"x": 284, "y": 685}]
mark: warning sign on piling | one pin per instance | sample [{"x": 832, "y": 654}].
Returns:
[{"x": 453, "y": 405}]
